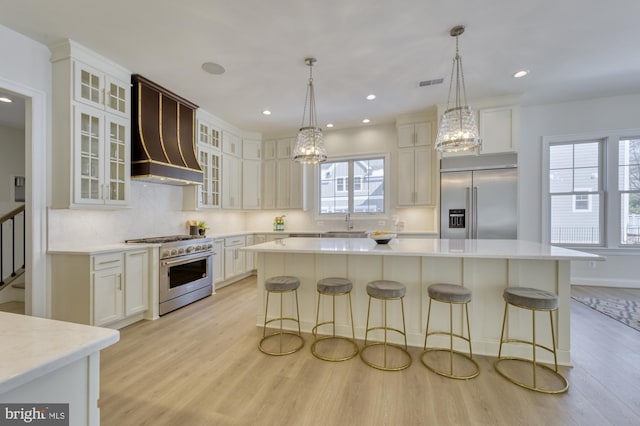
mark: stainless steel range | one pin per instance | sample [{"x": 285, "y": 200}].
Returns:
[{"x": 186, "y": 269}]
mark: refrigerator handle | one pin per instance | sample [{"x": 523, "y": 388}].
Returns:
[
  {"x": 469, "y": 214},
  {"x": 475, "y": 212}
]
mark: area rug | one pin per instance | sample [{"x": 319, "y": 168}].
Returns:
[{"x": 624, "y": 311}]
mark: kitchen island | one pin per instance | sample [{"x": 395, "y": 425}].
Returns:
[
  {"x": 46, "y": 362},
  {"x": 484, "y": 266}
]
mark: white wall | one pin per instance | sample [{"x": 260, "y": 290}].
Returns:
[
  {"x": 155, "y": 210},
  {"x": 594, "y": 115},
  {"x": 12, "y": 163}
]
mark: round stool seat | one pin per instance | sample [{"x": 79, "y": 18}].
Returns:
[
  {"x": 531, "y": 298},
  {"x": 281, "y": 283},
  {"x": 334, "y": 285},
  {"x": 449, "y": 293},
  {"x": 385, "y": 289}
]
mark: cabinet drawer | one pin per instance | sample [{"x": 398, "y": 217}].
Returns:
[
  {"x": 234, "y": 241},
  {"x": 107, "y": 260}
]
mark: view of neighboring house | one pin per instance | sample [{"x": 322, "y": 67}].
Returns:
[
  {"x": 576, "y": 188},
  {"x": 357, "y": 183}
]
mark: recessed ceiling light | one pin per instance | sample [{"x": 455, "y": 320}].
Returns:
[
  {"x": 5, "y": 99},
  {"x": 266, "y": 112},
  {"x": 365, "y": 121},
  {"x": 213, "y": 68},
  {"x": 371, "y": 97},
  {"x": 329, "y": 124},
  {"x": 520, "y": 74}
]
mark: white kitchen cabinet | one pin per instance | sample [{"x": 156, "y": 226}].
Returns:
[
  {"x": 234, "y": 258},
  {"x": 251, "y": 149},
  {"x": 101, "y": 90},
  {"x": 282, "y": 178},
  {"x": 251, "y": 184},
  {"x": 108, "y": 296},
  {"x": 104, "y": 289},
  {"x": 414, "y": 134},
  {"x": 210, "y": 189},
  {"x": 231, "y": 182},
  {"x": 269, "y": 184},
  {"x": 208, "y": 194},
  {"x": 284, "y": 148},
  {"x": 288, "y": 184},
  {"x": 498, "y": 129},
  {"x": 269, "y": 150},
  {"x": 250, "y": 258},
  {"x": 415, "y": 177},
  {"x": 231, "y": 144},
  {"x": 101, "y": 163},
  {"x": 208, "y": 135},
  {"x": 90, "y": 130},
  {"x": 136, "y": 279},
  {"x": 218, "y": 261}
]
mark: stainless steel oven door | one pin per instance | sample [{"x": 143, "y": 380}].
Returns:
[{"x": 185, "y": 274}]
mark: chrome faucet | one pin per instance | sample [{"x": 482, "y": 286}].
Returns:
[{"x": 348, "y": 220}]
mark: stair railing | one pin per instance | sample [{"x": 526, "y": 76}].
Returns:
[{"x": 11, "y": 216}]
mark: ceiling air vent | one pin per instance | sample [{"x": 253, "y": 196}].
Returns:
[{"x": 431, "y": 82}]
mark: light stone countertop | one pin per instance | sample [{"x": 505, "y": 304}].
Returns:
[
  {"x": 31, "y": 347},
  {"x": 489, "y": 249}
]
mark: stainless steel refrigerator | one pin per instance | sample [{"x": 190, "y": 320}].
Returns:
[{"x": 478, "y": 197}]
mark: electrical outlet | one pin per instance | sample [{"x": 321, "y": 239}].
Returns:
[
  {"x": 319, "y": 223},
  {"x": 592, "y": 264},
  {"x": 382, "y": 222}
]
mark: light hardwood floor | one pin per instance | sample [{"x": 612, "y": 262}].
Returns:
[
  {"x": 12, "y": 307},
  {"x": 200, "y": 366}
]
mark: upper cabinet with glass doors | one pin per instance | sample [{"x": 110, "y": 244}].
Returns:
[
  {"x": 207, "y": 195},
  {"x": 100, "y": 90},
  {"x": 91, "y": 129}
]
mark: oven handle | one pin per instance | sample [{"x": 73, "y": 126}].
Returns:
[{"x": 185, "y": 259}]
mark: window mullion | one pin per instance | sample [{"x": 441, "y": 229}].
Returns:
[{"x": 350, "y": 187}]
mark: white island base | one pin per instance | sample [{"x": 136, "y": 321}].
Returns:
[
  {"x": 47, "y": 361},
  {"x": 485, "y": 268}
]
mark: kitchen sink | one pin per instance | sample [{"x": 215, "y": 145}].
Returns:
[{"x": 345, "y": 234}]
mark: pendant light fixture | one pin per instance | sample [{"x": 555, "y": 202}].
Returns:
[
  {"x": 310, "y": 143},
  {"x": 458, "y": 129}
]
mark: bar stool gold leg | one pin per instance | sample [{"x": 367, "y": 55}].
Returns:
[
  {"x": 475, "y": 371},
  {"x": 333, "y": 336},
  {"x": 386, "y": 345},
  {"x": 535, "y": 365},
  {"x": 281, "y": 332},
  {"x": 451, "y": 294}
]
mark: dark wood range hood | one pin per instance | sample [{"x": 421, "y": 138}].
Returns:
[{"x": 163, "y": 146}]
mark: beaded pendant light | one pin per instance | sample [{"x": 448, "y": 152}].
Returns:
[
  {"x": 310, "y": 143},
  {"x": 458, "y": 130}
]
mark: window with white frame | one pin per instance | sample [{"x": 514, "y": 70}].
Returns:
[
  {"x": 352, "y": 186},
  {"x": 574, "y": 192},
  {"x": 593, "y": 191},
  {"x": 629, "y": 187}
]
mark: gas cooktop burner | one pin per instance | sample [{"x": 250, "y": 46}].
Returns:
[{"x": 162, "y": 240}]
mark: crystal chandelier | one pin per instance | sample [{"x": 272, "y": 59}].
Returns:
[
  {"x": 458, "y": 129},
  {"x": 310, "y": 144}
]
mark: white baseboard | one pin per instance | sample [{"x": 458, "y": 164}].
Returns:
[{"x": 600, "y": 282}]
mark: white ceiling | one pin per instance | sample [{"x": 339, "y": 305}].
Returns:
[{"x": 574, "y": 49}]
